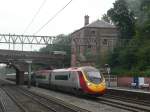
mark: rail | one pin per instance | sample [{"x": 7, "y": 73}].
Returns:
[
  {"x": 25, "y": 100},
  {"x": 125, "y": 103},
  {"x": 57, "y": 101}
]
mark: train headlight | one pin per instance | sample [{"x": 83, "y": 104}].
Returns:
[{"x": 88, "y": 83}]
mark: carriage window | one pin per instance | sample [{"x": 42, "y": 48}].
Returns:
[
  {"x": 61, "y": 77},
  {"x": 41, "y": 77}
]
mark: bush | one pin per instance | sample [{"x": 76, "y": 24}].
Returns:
[{"x": 132, "y": 73}]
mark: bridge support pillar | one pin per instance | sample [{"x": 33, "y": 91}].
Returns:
[{"x": 19, "y": 77}]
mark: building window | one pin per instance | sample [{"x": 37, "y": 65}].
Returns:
[
  {"x": 93, "y": 32},
  {"x": 89, "y": 46},
  {"x": 105, "y": 42}
]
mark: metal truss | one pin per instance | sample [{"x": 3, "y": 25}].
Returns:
[
  {"x": 45, "y": 40},
  {"x": 103, "y": 41},
  {"x": 26, "y": 39}
]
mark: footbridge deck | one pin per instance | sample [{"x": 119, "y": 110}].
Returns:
[{"x": 7, "y": 56}]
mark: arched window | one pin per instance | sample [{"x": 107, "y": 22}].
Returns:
[
  {"x": 105, "y": 42},
  {"x": 93, "y": 32}
]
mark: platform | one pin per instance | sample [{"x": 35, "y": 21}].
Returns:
[
  {"x": 129, "y": 92},
  {"x": 130, "y": 89}
]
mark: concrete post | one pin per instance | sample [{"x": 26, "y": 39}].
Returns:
[
  {"x": 108, "y": 71},
  {"x": 29, "y": 76},
  {"x": 19, "y": 77},
  {"x": 29, "y": 73}
]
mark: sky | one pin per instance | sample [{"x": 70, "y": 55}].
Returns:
[{"x": 15, "y": 16}]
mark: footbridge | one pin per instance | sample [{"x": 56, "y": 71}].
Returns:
[
  {"x": 11, "y": 56},
  {"x": 19, "y": 59}
]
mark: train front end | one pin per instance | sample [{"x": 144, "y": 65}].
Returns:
[{"x": 92, "y": 81}]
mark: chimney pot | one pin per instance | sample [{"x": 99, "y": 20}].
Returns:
[{"x": 86, "y": 20}]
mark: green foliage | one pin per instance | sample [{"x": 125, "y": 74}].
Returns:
[
  {"x": 106, "y": 18},
  {"x": 123, "y": 18},
  {"x": 130, "y": 73},
  {"x": 60, "y": 43},
  {"x": 133, "y": 60},
  {"x": 144, "y": 56}
]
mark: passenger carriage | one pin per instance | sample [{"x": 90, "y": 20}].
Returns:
[{"x": 86, "y": 80}]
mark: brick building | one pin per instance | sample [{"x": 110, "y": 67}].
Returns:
[{"x": 92, "y": 42}]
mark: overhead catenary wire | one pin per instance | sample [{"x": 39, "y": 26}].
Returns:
[
  {"x": 32, "y": 20},
  {"x": 52, "y": 17}
]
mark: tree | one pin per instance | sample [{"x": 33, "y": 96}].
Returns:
[
  {"x": 144, "y": 35},
  {"x": 106, "y": 18},
  {"x": 60, "y": 43},
  {"x": 135, "y": 58},
  {"x": 123, "y": 18},
  {"x": 145, "y": 27}
]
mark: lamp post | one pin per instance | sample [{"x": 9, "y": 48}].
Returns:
[
  {"x": 29, "y": 72},
  {"x": 108, "y": 71}
]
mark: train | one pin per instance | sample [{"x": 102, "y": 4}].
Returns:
[
  {"x": 12, "y": 77},
  {"x": 78, "y": 80}
]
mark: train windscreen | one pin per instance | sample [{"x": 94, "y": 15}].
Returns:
[{"x": 93, "y": 75}]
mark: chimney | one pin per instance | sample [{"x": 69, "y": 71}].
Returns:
[{"x": 86, "y": 20}]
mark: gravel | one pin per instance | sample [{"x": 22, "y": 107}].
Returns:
[
  {"x": 8, "y": 104},
  {"x": 80, "y": 102}
]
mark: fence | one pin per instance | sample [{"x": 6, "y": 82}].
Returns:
[{"x": 113, "y": 80}]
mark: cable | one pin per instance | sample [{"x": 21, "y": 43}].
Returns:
[
  {"x": 52, "y": 17},
  {"x": 44, "y": 1}
]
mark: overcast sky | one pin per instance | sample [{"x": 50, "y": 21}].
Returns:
[{"x": 15, "y": 15}]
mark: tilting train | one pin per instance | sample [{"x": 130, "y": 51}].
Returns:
[{"x": 79, "y": 80}]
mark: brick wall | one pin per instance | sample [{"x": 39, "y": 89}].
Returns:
[
  {"x": 124, "y": 81},
  {"x": 104, "y": 33},
  {"x": 147, "y": 80}
]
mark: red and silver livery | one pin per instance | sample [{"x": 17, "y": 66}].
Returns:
[{"x": 86, "y": 80}]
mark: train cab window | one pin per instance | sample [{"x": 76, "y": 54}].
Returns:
[{"x": 93, "y": 75}]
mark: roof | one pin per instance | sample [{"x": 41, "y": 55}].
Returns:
[
  {"x": 100, "y": 24},
  {"x": 97, "y": 24}
]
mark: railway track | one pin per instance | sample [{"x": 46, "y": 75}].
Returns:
[
  {"x": 125, "y": 103},
  {"x": 2, "y": 107},
  {"x": 131, "y": 100},
  {"x": 25, "y": 103},
  {"x": 56, "y": 103},
  {"x": 122, "y": 103},
  {"x": 31, "y": 102},
  {"x": 6, "y": 104},
  {"x": 134, "y": 105}
]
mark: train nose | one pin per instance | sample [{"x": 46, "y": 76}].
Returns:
[{"x": 100, "y": 88}]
